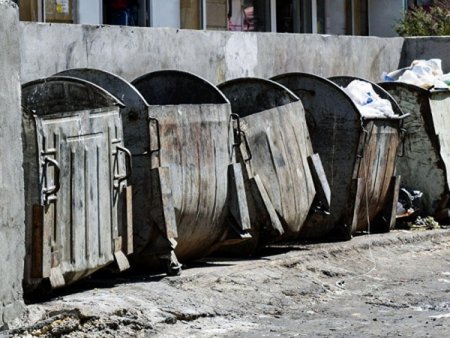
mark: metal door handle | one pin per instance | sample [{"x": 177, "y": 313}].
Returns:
[
  {"x": 55, "y": 188},
  {"x": 128, "y": 165},
  {"x": 403, "y": 133}
]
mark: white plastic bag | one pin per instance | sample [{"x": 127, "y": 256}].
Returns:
[
  {"x": 368, "y": 102},
  {"x": 421, "y": 73}
]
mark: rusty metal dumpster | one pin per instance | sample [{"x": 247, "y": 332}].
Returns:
[
  {"x": 78, "y": 204},
  {"x": 426, "y": 159},
  {"x": 135, "y": 120},
  {"x": 278, "y": 156},
  {"x": 359, "y": 157},
  {"x": 197, "y": 198}
]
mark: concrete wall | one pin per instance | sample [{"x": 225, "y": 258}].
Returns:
[
  {"x": 427, "y": 48},
  {"x": 217, "y": 56},
  {"x": 12, "y": 246}
]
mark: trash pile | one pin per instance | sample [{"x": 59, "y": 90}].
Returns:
[
  {"x": 368, "y": 102},
  {"x": 419, "y": 224},
  {"x": 426, "y": 74},
  {"x": 409, "y": 209}
]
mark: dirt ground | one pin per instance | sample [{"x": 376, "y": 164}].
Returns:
[{"x": 395, "y": 284}]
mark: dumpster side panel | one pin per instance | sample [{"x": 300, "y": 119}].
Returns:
[
  {"x": 194, "y": 146},
  {"x": 334, "y": 127},
  {"x": 80, "y": 221},
  {"x": 137, "y": 139},
  {"x": 440, "y": 110},
  {"x": 376, "y": 167},
  {"x": 421, "y": 166},
  {"x": 280, "y": 145}
]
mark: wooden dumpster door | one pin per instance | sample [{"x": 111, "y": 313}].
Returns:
[{"x": 80, "y": 222}]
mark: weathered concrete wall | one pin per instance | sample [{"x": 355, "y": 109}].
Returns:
[
  {"x": 12, "y": 246},
  {"x": 217, "y": 56},
  {"x": 427, "y": 48}
]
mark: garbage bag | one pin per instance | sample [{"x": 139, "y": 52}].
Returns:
[
  {"x": 368, "y": 102},
  {"x": 426, "y": 74},
  {"x": 409, "y": 202}
]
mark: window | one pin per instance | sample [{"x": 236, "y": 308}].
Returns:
[
  {"x": 333, "y": 17},
  {"x": 342, "y": 17},
  {"x": 360, "y": 17},
  {"x": 286, "y": 15},
  {"x": 120, "y": 12},
  {"x": 249, "y": 15},
  {"x": 190, "y": 14}
]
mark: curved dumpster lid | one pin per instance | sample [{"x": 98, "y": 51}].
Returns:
[
  {"x": 250, "y": 95},
  {"x": 59, "y": 94},
  {"x": 305, "y": 83},
  {"x": 410, "y": 87},
  {"x": 344, "y": 81},
  {"x": 172, "y": 87},
  {"x": 114, "y": 84}
]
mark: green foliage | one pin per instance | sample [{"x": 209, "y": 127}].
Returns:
[{"x": 419, "y": 22}]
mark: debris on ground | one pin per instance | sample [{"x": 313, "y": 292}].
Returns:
[
  {"x": 392, "y": 284},
  {"x": 419, "y": 224}
]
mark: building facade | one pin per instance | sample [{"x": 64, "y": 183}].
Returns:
[{"x": 340, "y": 17}]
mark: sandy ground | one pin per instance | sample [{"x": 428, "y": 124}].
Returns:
[{"x": 395, "y": 284}]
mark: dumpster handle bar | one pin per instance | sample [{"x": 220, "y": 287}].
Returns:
[
  {"x": 158, "y": 139},
  {"x": 403, "y": 133},
  {"x": 128, "y": 165},
  {"x": 54, "y": 189}
]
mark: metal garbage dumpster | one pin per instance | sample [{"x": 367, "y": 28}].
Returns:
[
  {"x": 280, "y": 166},
  {"x": 426, "y": 152},
  {"x": 78, "y": 204},
  {"x": 136, "y": 133},
  {"x": 197, "y": 198},
  {"x": 359, "y": 156}
]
